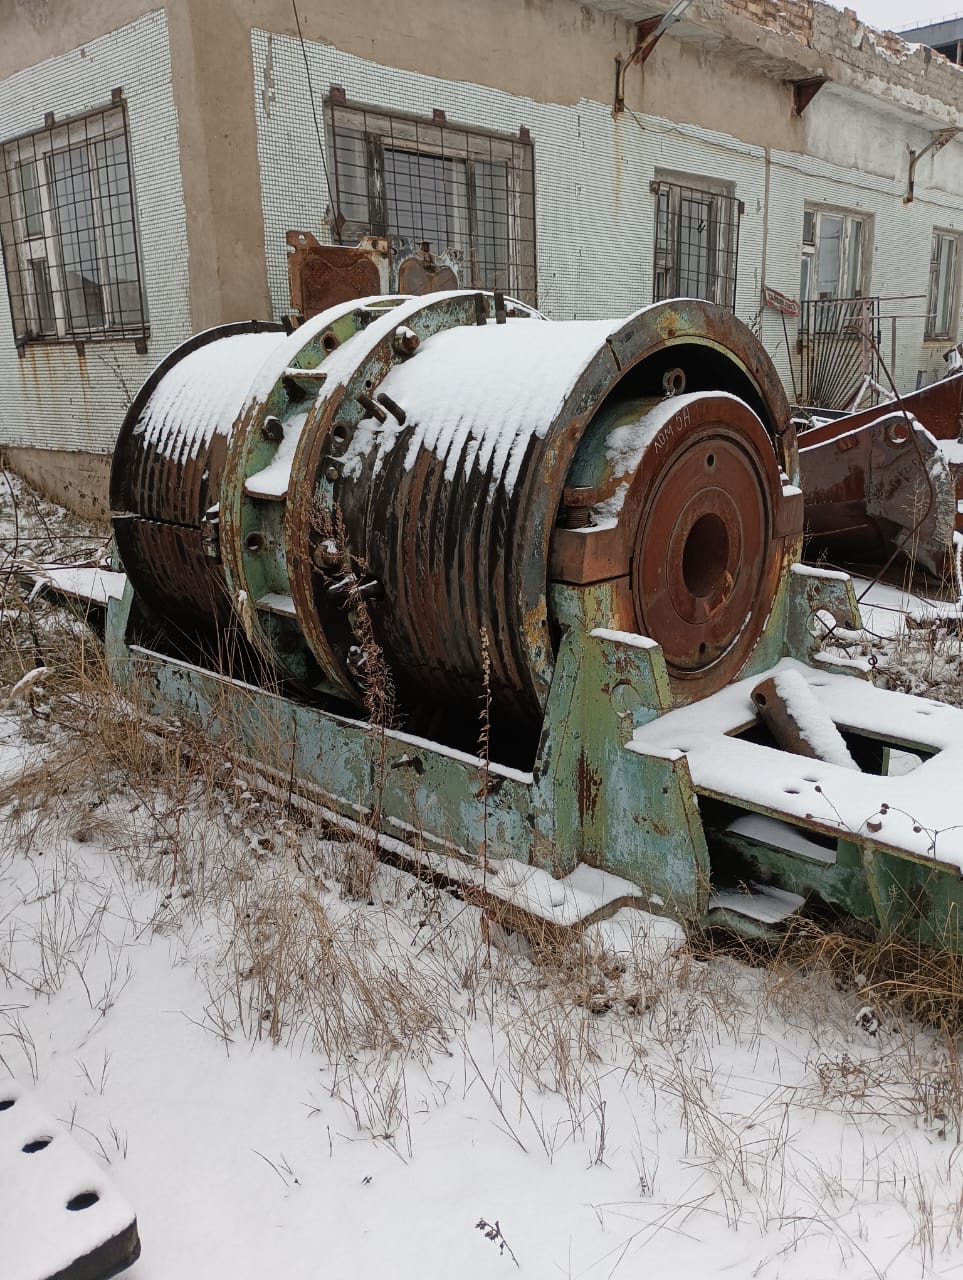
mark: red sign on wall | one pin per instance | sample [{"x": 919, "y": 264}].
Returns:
[{"x": 773, "y": 298}]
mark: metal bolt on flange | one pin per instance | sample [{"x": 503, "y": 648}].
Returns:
[
  {"x": 575, "y": 511},
  {"x": 405, "y": 342},
  {"x": 328, "y": 555}
]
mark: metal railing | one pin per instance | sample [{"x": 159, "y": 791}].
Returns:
[
  {"x": 848, "y": 349},
  {"x": 837, "y": 350}
]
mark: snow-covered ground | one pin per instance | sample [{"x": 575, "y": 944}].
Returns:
[{"x": 295, "y": 1061}]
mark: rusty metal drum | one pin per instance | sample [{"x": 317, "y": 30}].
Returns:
[{"x": 422, "y": 478}]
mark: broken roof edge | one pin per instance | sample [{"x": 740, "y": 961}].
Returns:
[{"x": 809, "y": 39}]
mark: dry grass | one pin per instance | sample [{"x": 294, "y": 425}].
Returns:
[{"x": 123, "y": 829}]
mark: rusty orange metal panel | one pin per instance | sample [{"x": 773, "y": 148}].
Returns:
[
  {"x": 877, "y": 479},
  {"x": 322, "y": 275}
]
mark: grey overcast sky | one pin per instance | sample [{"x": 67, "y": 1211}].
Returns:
[{"x": 892, "y": 15}]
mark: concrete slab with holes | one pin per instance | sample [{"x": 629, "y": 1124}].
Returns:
[{"x": 61, "y": 1218}]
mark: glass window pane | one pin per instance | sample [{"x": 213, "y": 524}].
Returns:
[
  {"x": 32, "y": 208},
  {"x": 854, "y": 266},
  {"x": 427, "y": 200},
  {"x": 664, "y": 270},
  {"x": 945, "y": 293},
  {"x": 351, "y": 173},
  {"x": 695, "y": 232},
  {"x": 493, "y": 228},
  {"x": 43, "y": 296},
  {"x": 931, "y": 294},
  {"x": 68, "y": 233},
  {"x": 70, "y": 183},
  {"x": 829, "y": 256},
  {"x": 119, "y": 266}
]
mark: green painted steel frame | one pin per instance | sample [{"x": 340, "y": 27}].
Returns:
[{"x": 588, "y": 799}]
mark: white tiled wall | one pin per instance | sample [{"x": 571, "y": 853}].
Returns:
[
  {"x": 594, "y": 208},
  {"x": 593, "y": 203},
  {"x": 51, "y": 397}
]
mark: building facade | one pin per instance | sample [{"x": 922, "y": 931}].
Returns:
[{"x": 161, "y": 165}]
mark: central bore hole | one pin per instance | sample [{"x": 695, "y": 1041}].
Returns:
[{"x": 705, "y": 555}]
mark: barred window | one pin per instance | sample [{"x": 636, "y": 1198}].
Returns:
[
  {"x": 696, "y": 242},
  {"x": 464, "y": 196},
  {"x": 68, "y": 231}
]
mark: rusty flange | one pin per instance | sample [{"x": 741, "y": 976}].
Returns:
[
  {"x": 166, "y": 473},
  {"x": 687, "y": 507},
  {"x": 706, "y": 561},
  {"x": 284, "y": 400}
]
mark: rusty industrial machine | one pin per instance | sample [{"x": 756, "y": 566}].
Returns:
[
  {"x": 498, "y": 590},
  {"x": 887, "y": 480}
]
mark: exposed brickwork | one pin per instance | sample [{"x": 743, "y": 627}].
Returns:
[
  {"x": 883, "y": 55},
  {"x": 915, "y": 76},
  {"x": 800, "y": 18},
  {"x": 891, "y": 43},
  {"x": 786, "y": 17}
]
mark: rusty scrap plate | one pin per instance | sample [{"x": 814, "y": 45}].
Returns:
[
  {"x": 322, "y": 275},
  {"x": 871, "y": 484}
]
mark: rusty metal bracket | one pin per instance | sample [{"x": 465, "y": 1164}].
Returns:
[
  {"x": 648, "y": 33},
  {"x": 803, "y": 92},
  {"x": 938, "y": 141}
]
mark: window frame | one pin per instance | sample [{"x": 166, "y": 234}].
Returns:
[
  {"x": 931, "y": 331},
  {"x": 379, "y": 131},
  {"x": 671, "y": 189},
  {"x": 809, "y": 252},
  {"x": 83, "y": 219}
]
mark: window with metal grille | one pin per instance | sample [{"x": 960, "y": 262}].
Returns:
[
  {"x": 696, "y": 243},
  {"x": 468, "y": 195},
  {"x": 68, "y": 231},
  {"x": 943, "y": 296}
]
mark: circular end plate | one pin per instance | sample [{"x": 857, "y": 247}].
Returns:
[{"x": 705, "y": 564}]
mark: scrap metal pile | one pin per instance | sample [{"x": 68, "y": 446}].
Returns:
[
  {"x": 887, "y": 479},
  {"x": 414, "y": 525}
]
